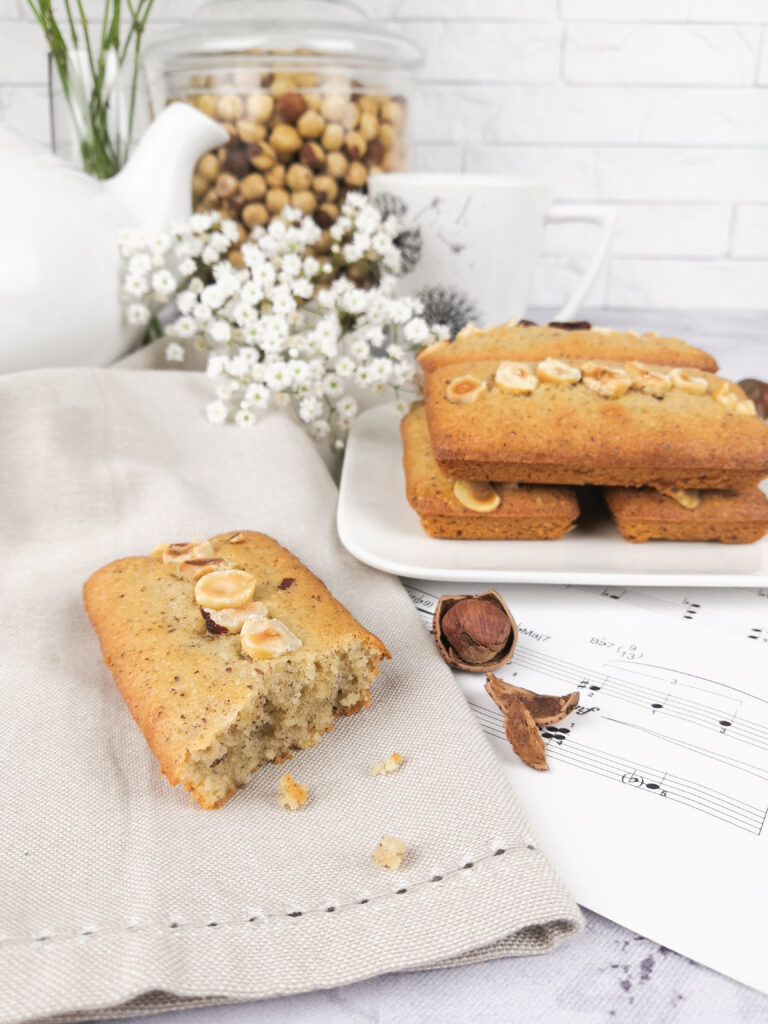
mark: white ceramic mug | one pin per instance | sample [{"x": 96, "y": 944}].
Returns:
[{"x": 481, "y": 234}]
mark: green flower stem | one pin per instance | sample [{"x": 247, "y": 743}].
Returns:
[{"x": 102, "y": 155}]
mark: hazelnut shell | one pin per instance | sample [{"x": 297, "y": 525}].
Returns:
[{"x": 496, "y": 654}]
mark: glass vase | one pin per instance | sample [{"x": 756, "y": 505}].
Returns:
[{"x": 93, "y": 123}]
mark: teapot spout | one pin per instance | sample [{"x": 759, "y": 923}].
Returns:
[{"x": 155, "y": 186}]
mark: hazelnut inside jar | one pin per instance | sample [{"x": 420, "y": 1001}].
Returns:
[{"x": 305, "y": 124}]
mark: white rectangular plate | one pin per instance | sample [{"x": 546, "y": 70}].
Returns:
[{"x": 378, "y": 526}]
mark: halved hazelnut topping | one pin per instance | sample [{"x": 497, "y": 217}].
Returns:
[
  {"x": 692, "y": 383},
  {"x": 726, "y": 395},
  {"x": 684, "y": 498},
  {"x": 230, "y": 620},
  {"x": 464, "y": 390},
  {"x": 261, "y": 637},
  {"x": 469, "y": 329},
  {"x": 229, "y": 588},
  {"x": 185, "y": 552},
  {"x": 194, "y": 568},
  {"x": 648, "y": 380},
  {"x": 515, "y": 378},
  {"x": 476, "y": 495},
  {"x": 237, "y": 538},
  {"x": 606, "y": 381},
  {"x": 555, "y": 371},
  {"x": 745, "y": 408}
]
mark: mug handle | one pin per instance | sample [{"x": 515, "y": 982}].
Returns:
[{"x": 605, "y": 218}]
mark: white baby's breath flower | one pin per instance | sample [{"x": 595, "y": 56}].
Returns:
[
  {"x": 277, "y": 230},
  {"x": 251, "y": 333},
  {"x": 139, "y": 264},
  {"x": 245, "y": 418},
  {"x": 230, "y": 230},
  {"x": 380, "y": 369},
  {"x": 302, "y": 288},
  {"x": 353, "y": 251},
  {"x": 311, "y": 266},
  {"x": 345, "y": 367},
  {"x": 283, "y": 302},
  {"x": 216, "y": 366},
  {"x": 252, "y": 292},
  {"x": 277, "y": 376},
  {"x": 355, "y": 301},
  {"x": 395, "y": 351},
  {"x": 217, "y": 412},
  {"x": 360, "y": 350},
  {"x": 135, "y": 285},
  {"x": 137, "y": 314},
  {"x": 185, "y": 327},
  {"x": 163, "y": 283},
  {"x": 196, "y": 285},
  {"x": 346, "y": 406},
  {"x": 159, "y": 243},
  {"x": 416, "y": 331},
  {"x": 174, "y": 352},
  {"x": 201, "y": 222},
  {"x": 310, "y": 408},
  {"x": 185, "y": 302},
  {"x": 298, "y": 371},
  {"x": 219, "y": 331},
  {"x": 257, "y": 395},
  {"x": 219, "y": 242},
  {"x": 187, "y": 267},
  {"x": 212, "y": 295},
  {"x": 332, "y": 385},
  {"x": 210, "y": 255},
  {"x": 281, "y": 399},
  {"x": 319, "y": 429},
  {"x": 354, "y": 201}
]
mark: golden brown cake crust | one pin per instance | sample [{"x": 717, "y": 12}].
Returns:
[
  {"x": 567, "y": 434},
  {"x": 509, "y": 341},
  {"x": 525, "y": 513},
  {"x": 731, "y": 517},
  {"x": 183, "y": 685}
]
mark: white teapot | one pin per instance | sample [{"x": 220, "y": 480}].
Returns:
[{"x": 59, "y": 260}]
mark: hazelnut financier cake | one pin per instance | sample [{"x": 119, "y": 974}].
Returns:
[
  {"x": 529, "y": 341},
  {"x": 582, "y": 421},
  {"x": 731, "y": 517},
  {"x": 229, "y": 653},
  {"x": 467, "y": 509}
]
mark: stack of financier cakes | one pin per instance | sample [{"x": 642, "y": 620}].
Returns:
[{"x": 515, "y": 417}]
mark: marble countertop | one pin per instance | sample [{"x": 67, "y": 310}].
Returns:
[{"x": 605, "y": 974}]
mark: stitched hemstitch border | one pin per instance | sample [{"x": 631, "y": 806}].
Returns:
[{"x": 44, "y": 940}]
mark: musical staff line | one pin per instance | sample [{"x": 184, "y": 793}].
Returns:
[
  {"x": 682, "y": 610},
  {"x": 712, "y": 718},
  {"x": 677, "y": 789}
]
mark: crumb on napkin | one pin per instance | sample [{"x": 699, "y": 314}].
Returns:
[
  {"x": 388, "y": 765},
  {"x": 389, "y": 853},
  {"x": 291, "y": 795}
]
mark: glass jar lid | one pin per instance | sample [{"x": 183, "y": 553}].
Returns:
[{"x": 307, "y": 31}]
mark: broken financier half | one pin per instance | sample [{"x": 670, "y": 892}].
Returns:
[
  {"x": 524, "y": 711},
  {"x": 230, "y": 661}
]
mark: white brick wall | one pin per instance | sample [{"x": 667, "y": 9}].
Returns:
[{"x": 659, "y": 107}]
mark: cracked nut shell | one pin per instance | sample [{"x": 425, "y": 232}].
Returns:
[{"x": 474, "y": 632}]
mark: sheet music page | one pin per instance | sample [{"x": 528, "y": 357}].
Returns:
[{"x": 654, "y": 808}]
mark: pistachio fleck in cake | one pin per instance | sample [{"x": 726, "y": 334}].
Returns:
[{"x": 229, "y": 653}]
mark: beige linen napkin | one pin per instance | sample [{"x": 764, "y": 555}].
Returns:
[{"x": 120, "y": 896}]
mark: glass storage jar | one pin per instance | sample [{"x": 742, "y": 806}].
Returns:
[{"x": 313, "y": 94}]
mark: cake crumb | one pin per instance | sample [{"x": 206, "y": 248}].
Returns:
[
  {"x": 291, "y": 795},
  {"x": 388, "y": 765},
  {"x": 389, "y": 853}
]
